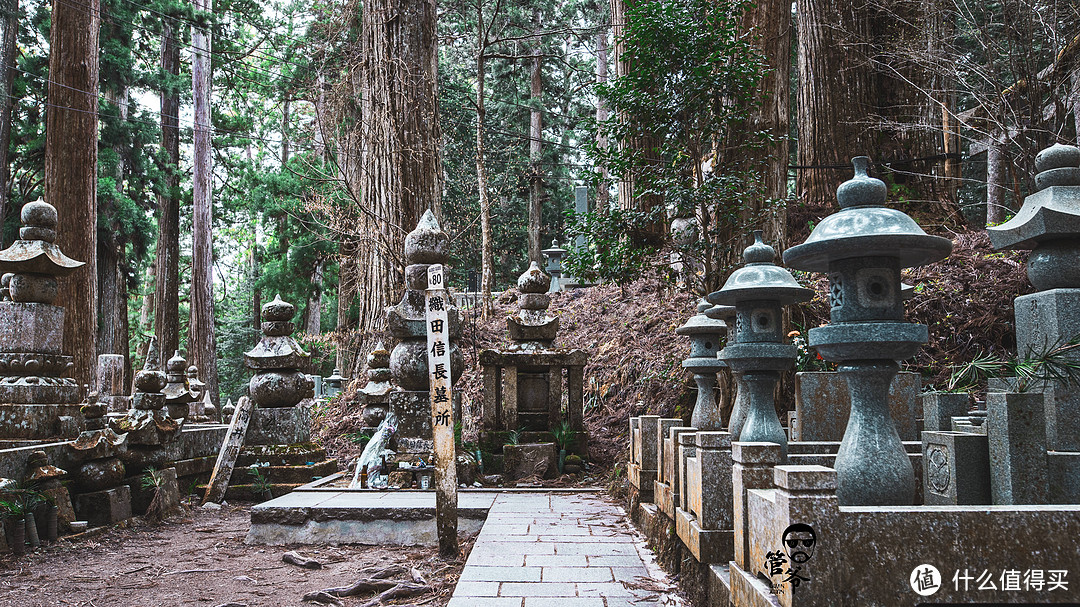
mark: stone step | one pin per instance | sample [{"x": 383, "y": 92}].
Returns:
[{"x": 280, "y": 455}]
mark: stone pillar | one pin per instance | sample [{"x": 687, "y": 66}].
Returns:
[
  {"x": 752, "y": 469},
  {"x": 666, "y": 492},
  {"x": 705, "y": 526},
  {"x": 806, "y": 495},
  {"x": 940, "y": 407},
  {"x": 1016, "y": 429},
  {"x": 687, "y": 453},
  {"x": 643, "y": 475},
  {"x": 111, "y": 389}
]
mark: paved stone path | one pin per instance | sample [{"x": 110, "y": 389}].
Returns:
[{"x": 559, "y": 550}]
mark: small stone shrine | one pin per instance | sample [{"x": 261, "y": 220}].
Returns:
[
  {"x": 424, "y": 246},
  {"x": 524, "y": 384},
  {"x": 279, "y": 432},
  {"x": 759, "y": 290},
  {"x": 705, "y": 334},
  {"x": 38, "y": 402},
  {"x": 148, "y": 425},
  {"x": 1023, "y": 427},
  {"x": 862, "y": 248},
  {"x": 375, "y": 395}
]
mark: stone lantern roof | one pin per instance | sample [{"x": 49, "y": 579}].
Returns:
[{"x": 1053, "y": 211}]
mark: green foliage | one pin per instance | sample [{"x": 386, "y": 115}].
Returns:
[
  {"x": 1056, "y": 362},
  {"x": 564, "y": 434},
  {"x": 153, "y": 479},
  {"x": 260, "y": 482}
]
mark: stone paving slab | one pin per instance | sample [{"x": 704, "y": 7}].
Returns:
[{"x": 560, "y": 550}]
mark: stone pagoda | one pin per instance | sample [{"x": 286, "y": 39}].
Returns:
[
  {"x": 524, "y": 385},
  {"x": 375, "y": 395},
  {"x": 424, "y": 246},
  {"x": 38, "y": 401},
  {"x": 279, "y": 432},
  {"x": 1021, "y": 432},
  {"x": 177, "y": 396}
]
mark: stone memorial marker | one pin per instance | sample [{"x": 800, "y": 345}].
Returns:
[
  {"x": 230, "y": 450},
  {"x": 442, "y": 411}
]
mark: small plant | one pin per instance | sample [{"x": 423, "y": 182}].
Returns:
[
  {"x": 1056, "y": 363},
  {"x": 805, "y": 358},
  {"x": 260, "y": 483},
  {"x": 564, "y": 435},
  {"x": 152, "y": 480},
  {"x": 513, "y": 437},
  {"x": 12, "y": 508}
]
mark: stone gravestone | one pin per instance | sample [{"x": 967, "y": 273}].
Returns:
[{"x": 956, "y": 468}]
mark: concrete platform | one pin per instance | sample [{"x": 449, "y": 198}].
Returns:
[{"x": 404, "y": 518}]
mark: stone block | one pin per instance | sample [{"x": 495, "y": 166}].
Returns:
[
  {"x": 646, "y": 441},
  {"x": 708, "y": 483},
  {"x": 104, "y": 507},
  {"x": 642, "y": 480},
  {"x": 635, "y": 440},
  {"x": 752, "y": 469},
  {"x": 31, "y": 327},
  {"x": 707, "y": 545},
  {"x": 940, "y": 407},
  {"x": 1043, "y": 320},
  {"x": 37, "y": 422},
  {"x": 279, "y": 426},
  {"x": 956, "y": 468},
  {"x": 664, "y": 498},
  {"x": 823, "y": 404},
  {"x": 663, "y": 426},
  {"x": 531, "y": 459},
  {"x": 1016, "y": 429},
  {"x": 413, "y": 413},
  {"x": 687, "y": 451},
  {"x": 1064, "y": 474}
]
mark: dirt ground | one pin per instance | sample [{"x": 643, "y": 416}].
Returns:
[{"x": 202, "y": 560}]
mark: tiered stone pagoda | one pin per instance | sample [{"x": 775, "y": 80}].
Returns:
[
  {"x": 38, "y": 400},
  {"x": 524, "y": 385},
  {"x": 424, "y": 246},
  {"x": 1049, "y": 224},
  {"x": 279, "y": 432},
  {"x": 375, "y": 395},
  {"x": 177, "y": 395}
]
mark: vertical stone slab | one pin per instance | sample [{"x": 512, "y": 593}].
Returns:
[
  {"x": 823, "y": 405},
  {"x": 575, "y": 396},
  {"x": 110, "y": 386},
  {"x": 940, "y": 407},
  {"x": 712, "y": 501},
  {"x": 230, "y": 450},
  {"x": 510, "y": 397},
  {"x": 491, "y": 394},
  {"x": 1043, "y": 320},
  {"x": 956, "y": 468},
  {"x": 650, "y": 429},
  {"x": 663, "y": 426},
  {"x": 1016, "y": 429},
  {"x": 554, "y": 397},
  {"x": 807, "y": 495},
  {"x": 635, "y": 440},
  {"x": 687, "y": 452},
  {"x": 752, "y": 469},
  {"x": 670, "y": 473}
]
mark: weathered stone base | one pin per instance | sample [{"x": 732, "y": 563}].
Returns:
[
  {"x": 280, "y": 425},
  {"x": 104, "y": 507},
  {"x": 404, "y": 518},
  {"x": 707, "y": 545},
  {"x": 1064, "y": 468}
]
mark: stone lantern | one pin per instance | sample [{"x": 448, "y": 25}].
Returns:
[
  {"x": 759, "y": 290},
  {"x": 334, "y": 383},
  {"x": 704, "y": 333},
  {"x": 554, "y": 257},
  {"x": 862, "y": 248},
  {"x": 740, "y": 404}
]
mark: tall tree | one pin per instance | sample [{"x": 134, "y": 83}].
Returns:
[
  {"x": 9, "y": 14},
  {"x": 400, "y": 148},
  {"x": 202, "y": 338},
  {"x": 71, "y": 134},
  {"x": 167, "y": 280},
  {"x": 536, "y": 139}
]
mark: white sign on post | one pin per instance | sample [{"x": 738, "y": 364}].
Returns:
[{"x": 442, "y": 410}]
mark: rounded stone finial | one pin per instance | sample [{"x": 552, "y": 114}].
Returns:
[
  {"x": 861, "y": 190},
  {"x": 150, "y": 381},
  {"x": 193, "y": 371},
  {"x": 1057, "y": 165},
  {"x": 176, "y": 364},
  {"x": 427, "y": 243},
  {"x": 278, "y": 310},
  {"x": 534, "y": 280},
  {"x": 39, "y": 214},
  {"x": 759, "y": 252}
]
